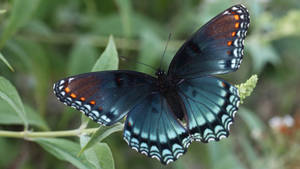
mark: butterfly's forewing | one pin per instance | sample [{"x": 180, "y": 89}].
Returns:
[
  {"x": 216, "y": 48},
  {"x": 211, "y": 104},
  {"x": 105, "y": 97},
  {"x": 152, "y": 129}
]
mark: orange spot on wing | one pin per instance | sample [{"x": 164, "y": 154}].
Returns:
[
  {"x": 73, "y": 95},
  {"x": 229, "y": 43},
  {"x": 233, "y": 34},
  {"x": 92, "y": 102},
  {"x": 224, "y": 84},
  {"x": 67, "y": 90},
  {"x": 82, "y": 99},
  {"x": 237, "y": 25},
  {"x": 236, "y": 17}
]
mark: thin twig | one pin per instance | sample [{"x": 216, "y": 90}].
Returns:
[{"x": 32, "y": 134}]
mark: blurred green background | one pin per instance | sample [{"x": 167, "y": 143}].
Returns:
[{"x": 46, "y": 40}]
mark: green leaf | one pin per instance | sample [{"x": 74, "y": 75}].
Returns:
[
  {"x": 17, "y": 50},
  {"x": 9, "y": 93},
  {"x": 99, "y": 154},
  {"x": 125, "y": 10},
  {"x": 20, "y": 14},
  {"x": 9, "y": 116},
  {"x": 64, "y": 150},
  {"x": 34, "y": 118},
  {"x": 6, "y": 62},
  {"x": 109, "y": 59},
  {"x": 39, "y": 66},
  {"x": 82, "y": 58},
  {"x": 84, "y": 121},
  {"x": 100, "y": 134}
]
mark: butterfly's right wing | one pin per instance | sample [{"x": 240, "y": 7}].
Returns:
[{"x": 216, "y": 48}]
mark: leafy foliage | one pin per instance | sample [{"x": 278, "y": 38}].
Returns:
[
  {"x": 64, "y": 150},
  {"x": 45, "y": 40},
  {"x": 99, "y": 154},
  {"x": 6, "y": 62},
  {"x": 109, "y": 59},
  {"x": 9, "y": 94}
]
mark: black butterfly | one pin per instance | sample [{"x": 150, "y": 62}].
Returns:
[{"x": 167, "y": 112}]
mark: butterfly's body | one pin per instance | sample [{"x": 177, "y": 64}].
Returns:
[
  {"x": 167, "y": 112},
  {"x": 168, "y": 87},
  {"x": 164, "y": 85}
]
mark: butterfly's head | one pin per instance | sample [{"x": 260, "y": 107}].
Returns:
[{"x": 160, "y": 73}]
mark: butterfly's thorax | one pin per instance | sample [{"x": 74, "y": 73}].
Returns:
[
  {"x": 163, "y": 84},
  {"x": 168, "y": 88}
]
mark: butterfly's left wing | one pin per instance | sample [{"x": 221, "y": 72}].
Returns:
[
  {"x": 107, "y": 96},
  {"x": 151, "y": 128},
  {"x": 216, "y": 48},
  {"x": 211, "y": 104}
]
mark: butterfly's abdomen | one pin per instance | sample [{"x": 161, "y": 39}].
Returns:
[
  {"x": 168, "y": 88},
  {"x": 177, "y": 106}
]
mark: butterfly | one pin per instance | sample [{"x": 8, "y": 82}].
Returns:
[{"x": 164, "y": 114}]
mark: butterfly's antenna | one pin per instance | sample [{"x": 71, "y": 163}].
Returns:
[
  {"x": 125, "y": 58},
  {"x": 161, "y": 59}
]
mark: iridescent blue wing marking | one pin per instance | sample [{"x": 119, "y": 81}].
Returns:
[
  {"x": 105, "y": 97},
  {"x": 211, "y": 104},
  {"x": 216, "y": 48},
  {"x": 152, "y": 129}
]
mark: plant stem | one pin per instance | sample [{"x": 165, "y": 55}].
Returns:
[{"x": 31, "y": 134}]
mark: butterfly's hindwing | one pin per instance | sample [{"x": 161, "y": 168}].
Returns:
[
  {"x": 216, "y": 48},
  {"x": 104, "y": 96},
  {"x": 153, "y": 130},
  {"x": 211, "y": 104}
]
